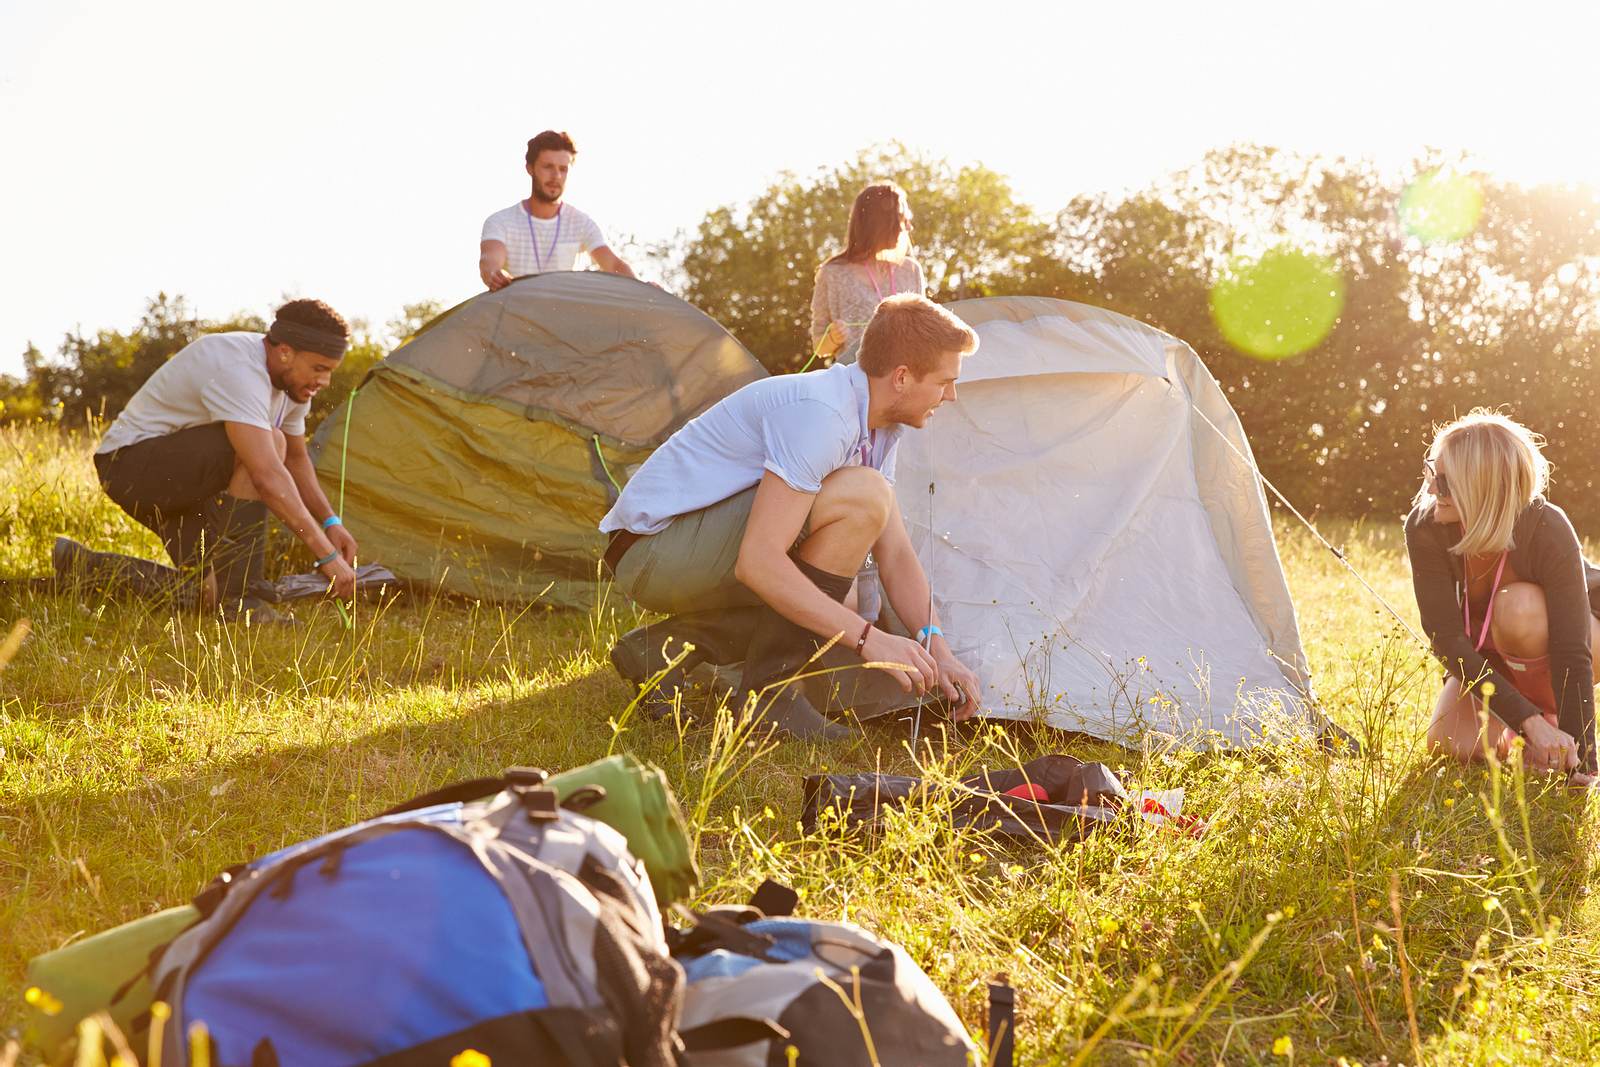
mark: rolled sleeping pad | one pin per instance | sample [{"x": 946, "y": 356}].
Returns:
[
  {"x": 639, "y": 804},
  {"x": 82, "y": 978}
]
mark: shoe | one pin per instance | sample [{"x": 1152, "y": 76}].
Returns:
[
  {"x": 718, "y": 637},
  {"x": 77, "y": 565},
  {"x": 788, "y": 713},
  {"x": 638, "y": 661},
  {"x": 68, "y": 558}
]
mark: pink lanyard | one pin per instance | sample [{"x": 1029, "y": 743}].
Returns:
[
  {"x": 1466, "y": 602},
  {"x": 538, "y": 260},
  {"x": 872, "y": 276}
]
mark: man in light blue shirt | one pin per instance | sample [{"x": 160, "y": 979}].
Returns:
[{"x": 748, "y": 525}]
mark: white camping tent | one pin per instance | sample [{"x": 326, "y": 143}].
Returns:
[{"x": 1101, "y": 552}]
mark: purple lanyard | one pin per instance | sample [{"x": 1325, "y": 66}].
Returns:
[
  {"x": 872, "y": 276},
  {"x": 538, "y": 260}
]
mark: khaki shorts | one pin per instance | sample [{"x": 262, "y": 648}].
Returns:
[{"x": 689, "y": 565}]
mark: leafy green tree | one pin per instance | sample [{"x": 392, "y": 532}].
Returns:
[
  {"x": 95, "y": 376},
  {"x": 1503, "y": 314}
]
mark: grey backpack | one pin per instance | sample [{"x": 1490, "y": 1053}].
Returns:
[{"x": 782, "y": 991}]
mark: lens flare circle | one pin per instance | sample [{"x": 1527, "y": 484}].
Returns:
[
  {"x": 1441, "y": 205},
  {"x": 1280, "y": 305}
]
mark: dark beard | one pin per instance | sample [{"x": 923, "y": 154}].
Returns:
[
  {"x": 276, "y": 377},
  {"x": 543, "y": 198}
]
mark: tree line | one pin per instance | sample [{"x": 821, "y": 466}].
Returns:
[{"x": 1438, "y": 288}]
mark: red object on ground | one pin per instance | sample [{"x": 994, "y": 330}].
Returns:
[
  {"x": 1189, "y": 824},
  {"x": 1029, "y": 791}
]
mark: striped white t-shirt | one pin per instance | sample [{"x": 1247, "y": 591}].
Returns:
[{"x": 559, "y": 239}]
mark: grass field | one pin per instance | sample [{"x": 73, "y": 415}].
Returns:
[{"x": 1384, "y": 908}]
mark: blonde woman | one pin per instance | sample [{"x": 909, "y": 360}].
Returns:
[
  {"x": 875, "y": 264},
  {"x": 1506, "y": 597}
]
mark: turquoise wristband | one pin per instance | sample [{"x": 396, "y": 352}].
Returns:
[
  {"x": 332, "y": 520},
  {"x": 325, "y": 560},
  {"x": 927, "y": 632}
]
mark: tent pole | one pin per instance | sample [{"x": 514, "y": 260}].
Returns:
[{"x": 927, "y": 642}]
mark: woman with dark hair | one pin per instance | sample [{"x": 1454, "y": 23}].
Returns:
[
  {"x": 1506, "y": 598},
  {"x": 875, "y": 264}
]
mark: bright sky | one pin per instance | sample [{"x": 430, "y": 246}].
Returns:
[{"x": 350, "y": 150}]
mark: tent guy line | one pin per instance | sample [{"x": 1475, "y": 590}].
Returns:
[{"x": 1338, "y": 553}]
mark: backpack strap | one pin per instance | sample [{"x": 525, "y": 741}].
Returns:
[
  {"x": 471, "y": 789},
  {"x": 724, "y": 926},
  {"x": 719, "y": 928},
  {"x": 211, "y": 896},
  {"x": 730, "y": 1033}
]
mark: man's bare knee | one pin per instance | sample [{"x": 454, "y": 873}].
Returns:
[
  {"x": 1521, "y": 624},
  {"x": 857, "y": 494}
]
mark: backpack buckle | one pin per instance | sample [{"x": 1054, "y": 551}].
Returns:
[
  {"x": 540, "y": 802},
  {"x": 526, "y": 776}
]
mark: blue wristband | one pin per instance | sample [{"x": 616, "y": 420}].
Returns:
[
  {"x": 927, "y": 632},
  {"x": 332, "y": 520},
  {"x": 325, "y": 560}
]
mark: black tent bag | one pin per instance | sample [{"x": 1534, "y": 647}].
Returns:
[{"x": 1081, "y": 797}]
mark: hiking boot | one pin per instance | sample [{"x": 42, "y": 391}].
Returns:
[
  {"x": 791, "y": 715},
  {"x": 112, "y": 573},
  {"x": 718, "y": 637}
]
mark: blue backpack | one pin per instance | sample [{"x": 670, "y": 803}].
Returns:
[{"x": 514, "y": 927}]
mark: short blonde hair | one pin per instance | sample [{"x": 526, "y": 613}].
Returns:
[
  {"x": 1494, "y": 467},
  {"x": 912, "y": 331}
]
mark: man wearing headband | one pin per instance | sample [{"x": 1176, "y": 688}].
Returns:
[
  {"x": 212, "y": 441},
  {"x": 542, "y": 233}
]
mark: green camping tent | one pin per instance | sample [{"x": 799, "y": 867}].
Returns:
[{"x": 480, "y": 456}]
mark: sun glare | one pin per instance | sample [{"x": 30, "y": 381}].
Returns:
[
  {"x": 1279, "y": 305},
  {"x": 1441, "y": 205}
]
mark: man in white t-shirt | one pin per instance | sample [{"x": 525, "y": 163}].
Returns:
[
  {"x": 542, "y": 233},
  {"x": 208, "y": 444},
  {"x": 748, "y": 525}
]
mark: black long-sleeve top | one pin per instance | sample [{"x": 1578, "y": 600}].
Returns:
[{"x": 1546, "y": 552}]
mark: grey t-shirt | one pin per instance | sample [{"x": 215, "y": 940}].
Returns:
[
  {"x": 221, "y": 377},
  {"x": 801, "y": 427}
]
